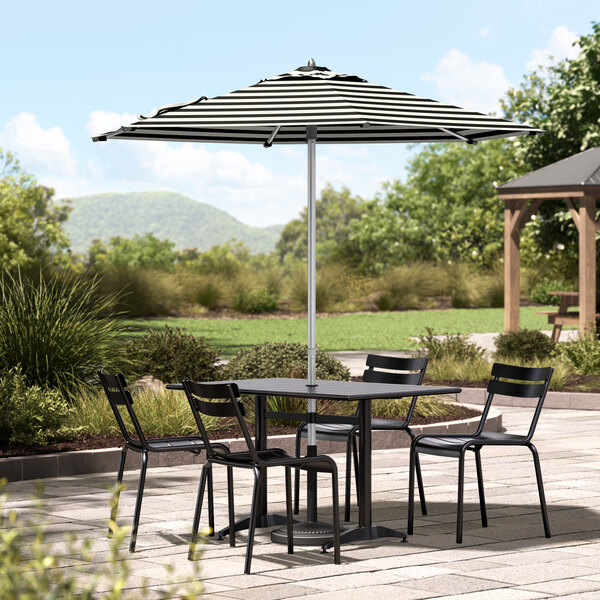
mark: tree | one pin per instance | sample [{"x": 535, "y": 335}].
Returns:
[
  {"x": 447, "y": 210},
  {"x": 140, "y": 252},
  {"x": 334, "y": 211},
  {"x": 564, "y": 100},
  {"x": 30, "y": 223}
]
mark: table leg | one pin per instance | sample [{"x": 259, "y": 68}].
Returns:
[{"x": 365, "y": 530}]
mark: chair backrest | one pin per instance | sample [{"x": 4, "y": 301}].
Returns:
[
  {"x": 523, "y": 382},
  {"x": 119, "y": 396},
  {"x": 197, "y": 394},
  {"x": 406, "y": 370}
]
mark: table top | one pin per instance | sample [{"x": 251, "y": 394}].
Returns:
[
  {"x": 332, "y": 390},
  {"x": 567, "y": 294}
]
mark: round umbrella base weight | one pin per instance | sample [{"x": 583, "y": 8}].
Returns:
[{"x": 308, "y": 533}]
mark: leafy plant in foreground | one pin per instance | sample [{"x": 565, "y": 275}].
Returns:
[{"x": 32, "y": 569}]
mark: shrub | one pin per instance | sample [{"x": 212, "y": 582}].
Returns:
[
  {"x": 456, "y": 347},
  {"x": 332, "y": 286},
  {"x": 539, "y": 291},
  {"x": 448, "y": 368},
  {"x": 256, "y": 301},
  {"x": 141, "y": 292},
  {"x": 56, "y": 331},
  {"x": 160, "y": 414},
  {"x": 475, "y": 290},
  {"x": 171, "y": 355},
  {"x": 405, "y": 287},
  {"x": 524, "y": 345},
  {"x": 284, "y": 359},
  {"x": 206, "y": 291},
  {"x": 582, "y": 353},
  {"x": 425, "y": 407},
  {"x": 31, "y": 414}
]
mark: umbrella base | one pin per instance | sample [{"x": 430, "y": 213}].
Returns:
[{"x": 308, "y": 533}]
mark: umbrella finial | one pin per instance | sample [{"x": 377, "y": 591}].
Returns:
[{"x": 311, "y": 62}]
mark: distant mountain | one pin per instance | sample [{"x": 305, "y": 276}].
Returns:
[{"x": 186, "y": 222}]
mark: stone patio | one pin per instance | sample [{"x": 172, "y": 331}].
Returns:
[{"x": 509, "y": 559}]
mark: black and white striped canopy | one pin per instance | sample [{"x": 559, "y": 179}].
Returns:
[{"x": 346, "y": 109}]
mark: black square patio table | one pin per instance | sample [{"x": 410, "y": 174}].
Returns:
[{"x": 364, "y": 393}]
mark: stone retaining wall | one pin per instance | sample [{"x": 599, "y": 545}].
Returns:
[{"x": 104, "y": 460}]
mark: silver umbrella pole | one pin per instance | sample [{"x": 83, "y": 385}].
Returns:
[
  {"x": 311, "y": 450},
  {"x": 311, "y": 532}
]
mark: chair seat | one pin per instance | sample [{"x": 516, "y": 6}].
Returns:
[
  {"x": 387, "y": 424},
  {"x": 278, "y": 457},
  {"x": 331, "y": 432},
  {"x": 269, "y": 455},
  {"x": 451, "y": 445}
]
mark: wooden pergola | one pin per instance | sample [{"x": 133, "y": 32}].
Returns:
[{"x": 576, "y": 180}]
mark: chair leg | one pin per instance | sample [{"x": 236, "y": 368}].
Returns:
[
  {"x": 288, "y": 510},
  {"x": 230, "y": 504},
  {"x": 201, "y": 486},
  {"x": 252, "y": 523},
  {"x": 461, "y": 489},
  {"x": 115, "y": 499},
  {"x": 356, "y": 467},
  {"x": 138, "y": 502},
  {"x": 411, "y": 491},
  {"x": 540, "y": 483},
  {"x": 297, "y": 476},
  {"x": 348, "y": 477},
  {"x": 420, "y": 486},
  {"x": 211, "y": 504},
  {"x": 484, "y": 522},
  {"x": 336, "y": 519}
]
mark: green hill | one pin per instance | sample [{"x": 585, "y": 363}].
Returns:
[{"x": 186, "y": 222}]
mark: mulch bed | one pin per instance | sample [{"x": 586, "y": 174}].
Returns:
[{"x": 113, "y": 440}]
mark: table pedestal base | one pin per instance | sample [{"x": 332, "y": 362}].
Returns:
[
  {"x": 308, "y": 533},
  {"x": 267, "y": 520},
  {"x": 361, "y": 534}
]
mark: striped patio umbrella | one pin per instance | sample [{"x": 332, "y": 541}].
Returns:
[{"x": 313, "y": 105}]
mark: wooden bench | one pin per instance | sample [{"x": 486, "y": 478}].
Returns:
[{"x": 562, "y": 316}]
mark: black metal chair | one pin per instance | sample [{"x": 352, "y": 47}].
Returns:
[
  {"x": 522, "y": 383},
  {"x": 121, "y": 400},
  {"x": 256, "y": 460},
  {"x": 406, "y": 371}
]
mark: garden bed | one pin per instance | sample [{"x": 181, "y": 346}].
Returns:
[{"x": 113, "y": 440}]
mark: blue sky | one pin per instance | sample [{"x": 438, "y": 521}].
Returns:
[{"x": 73, "y": 69}]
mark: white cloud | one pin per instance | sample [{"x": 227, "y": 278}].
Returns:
[
  {"x": 101, "y": 121},
  {"x": 37, "y": 148},
  {"x": 484, "y": 32},
  {"x": 560, "y": 46},
  {"x": 467, "y": 83}
]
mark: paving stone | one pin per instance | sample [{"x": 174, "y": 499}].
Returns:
[
  {"x": 509, "y": 559},
  {"x": 563, "y": 587}
]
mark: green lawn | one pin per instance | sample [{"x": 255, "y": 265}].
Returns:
[{"x": 374, "y": 331}]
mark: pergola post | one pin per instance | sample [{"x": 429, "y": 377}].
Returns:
[
  {"x": 587, "y": 264},
  {"x": 512, "y": 264}
]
